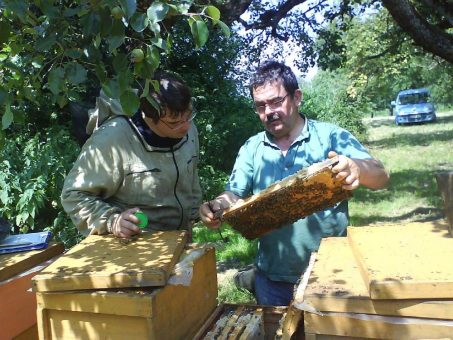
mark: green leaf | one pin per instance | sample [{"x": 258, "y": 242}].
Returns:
[
  {"x": 152, "y": 57},
  {"x": 18, "y": 7},
  {"x": 70, "y": 12},
  {"x": 120, "y": 62},
  {"x": 183, "y": 8},
  {"x": 56, "y": 80},
  {"x": 62, "y": 101},
  {"x": 3, "y": 96},
  {"x": 225, "y": 29},
  {"x": 48, "y": 9},
  {"x": 139, "y": 21},
  {"x": 76, "y": 73},
  {"x": 90, "y": 24},
  {"x": 73, "y": 53},
  {"x": 106, "y": 23},
  {"x": 153, "y": 101},
  {"x": 154, "y": 27},
  {"x": 111, "y": 88},
  {"x": 97, "y": 41},
  {"x": 129, "y": 6},
  {"x": 117, "y": 37},
  {"x": 5, "y": 32},
  {"x": 213, "y": 12},
  {"x": 129, "y": 102},
  {"x": 7, "y": 118},
  {"x": 101, "y": 72},
  {"x": 146, "y": 89},
  {"x": 125, "y": 78},
  {"x": 159, "y": 42},
  {"x": 157, "y": 11},
  {"x": 199, "y": 32},
  {"x": 45, "y": 43},
  {"x": 143, "y": 69}
]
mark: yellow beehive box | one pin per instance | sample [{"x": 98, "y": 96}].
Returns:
[
  {"x": 175, "y": 311},
  {"x": 335, "y": 285}
]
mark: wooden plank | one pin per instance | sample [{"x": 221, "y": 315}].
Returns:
[
  {"x": 254, "y": 328},
  {"x": 175, "y": 311},
  {"x": 291, "y": 322},
  {"x": 64, "y": 325},
  {"x": 376, "y": 326},
  {"x": 229, "y": 327},
  {"x": 299, "y": 195},
  {"x": 108, "y": 262},
  {"x": 445, "y": 186},
  {"x": 405, "y": 261},
  {"x": 336, "y": 285},
  {"x": 15, "y": 263}
]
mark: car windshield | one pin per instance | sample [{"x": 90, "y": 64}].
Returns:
[{"x": 414, "y": 98}]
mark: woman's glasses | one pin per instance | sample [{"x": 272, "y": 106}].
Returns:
[{"x": 180, "y": 123}]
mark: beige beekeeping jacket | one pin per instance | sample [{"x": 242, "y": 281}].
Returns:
[{"x": 117, "y": 170}]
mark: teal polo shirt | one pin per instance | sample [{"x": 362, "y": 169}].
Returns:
[{"x": 283, "y": 254}]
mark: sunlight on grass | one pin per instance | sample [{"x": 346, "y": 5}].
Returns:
[
  {"x": 412, "y": 154},
  {"x": 229, "y": 293}
]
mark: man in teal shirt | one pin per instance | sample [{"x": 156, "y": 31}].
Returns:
[{"x": 289, "y": 143}]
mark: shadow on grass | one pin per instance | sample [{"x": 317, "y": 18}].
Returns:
[
  {"x": 401, "y": 138},
  {"x": 390, "y": 121},
  {"x": 406, "y": 183}
]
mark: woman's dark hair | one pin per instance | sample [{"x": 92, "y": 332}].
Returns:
[
  {"x": 270, "y": 71},
  {"x": 173, "y": 98}
]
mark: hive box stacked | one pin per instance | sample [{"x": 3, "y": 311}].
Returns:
[
  {"x": 387, "y": 282},
  {"x": 17, "y": 301},
  {"x": 107, "y": 289}
]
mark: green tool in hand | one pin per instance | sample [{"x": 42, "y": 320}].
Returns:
[{"x": 143, "y": 219}]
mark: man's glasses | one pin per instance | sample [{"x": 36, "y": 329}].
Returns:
[
  {"x": 179, "y": 124},
  {"x": 273, "y": 105}
]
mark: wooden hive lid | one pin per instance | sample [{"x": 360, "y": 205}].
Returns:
[
  {"x": 335, "y": 285},
  {"x": 15, "y": 263},
  {"x": 297, "y": 196},
  {"x": 405, "y": 261},
  {"x": 108, "y": 262}
]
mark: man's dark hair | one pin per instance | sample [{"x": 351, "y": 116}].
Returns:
[
  {"x": 270, "y": 71},
  {"x": 173, "y": 98}
]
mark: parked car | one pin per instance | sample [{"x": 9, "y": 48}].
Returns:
[{"x": 413, "y": 106}]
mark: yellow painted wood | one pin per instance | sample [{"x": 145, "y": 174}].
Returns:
[
  {"x": 379, "y": 327},
  {"x": 405, "y": 261},
  {"x": 170, "y": 312},
  {"x": 109, "y": 262},
  {"x": 15, "y": 263},
  {"x": 336, "y": 285}
]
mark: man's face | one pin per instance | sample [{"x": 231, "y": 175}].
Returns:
[{"x": 278, "y": 111}]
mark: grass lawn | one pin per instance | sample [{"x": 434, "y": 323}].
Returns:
[{"x": 412, "y": 154}]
